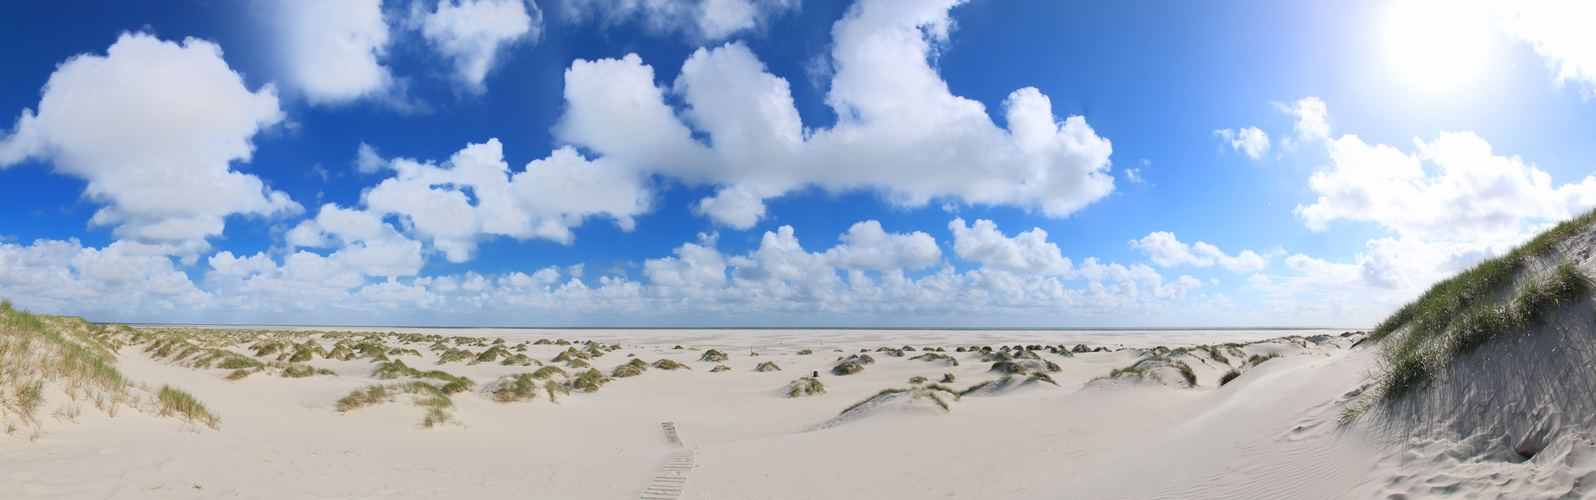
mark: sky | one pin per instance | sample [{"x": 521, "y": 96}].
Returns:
[{"x": 780, "y": 163}]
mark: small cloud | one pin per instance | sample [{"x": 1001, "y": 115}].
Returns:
[
  {"x": 1251, "y": 141},
  {"x": 1135, "y": 174},
  {"x": 367, "y": 160}
]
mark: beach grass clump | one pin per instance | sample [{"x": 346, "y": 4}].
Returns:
[
  {"x": 720, "y": 368},
  {"x": 917, "y": 380},
  {"x": 667, "y": 364},
  {"x": 847, "y": 368},
  {"x": 805, "y": 352},
  {"x": 1009, "y": 367},
  {"x": 519, "y": 359},
  {"x": 512, "y": 388},
  {"x": 948, "y": 378},
  {"x": 631, "y": 369},
  {"x": 454, "y": 354},
  {"x": 368, "y": 396},
  {"x": 549, "y": 372},
  {"x": 1147, "y": 366},
  {"x": 1229, "y": 376},
  {"x": 388, "y": 370},
  {"x": 452, "y": 384},
  {"x": 492, "y": 354},
  {"x": 553, "y": 388},
  {"x": 932, "y": 356},
  {"x": 588, "y": 381},
  {"x": 807, "y": 386},
  {"x": 1257, "y": 359},
  {"x": 177, "y": 402},
  {"x": 768, "y": 366},
  {"x": 713, "y": 356},
  {"x": 1043, "y": 377},
  {"x": 1215, "y": 353},
  {"x": 403, "y": 351},
  {"x": 301, "y": 370}
]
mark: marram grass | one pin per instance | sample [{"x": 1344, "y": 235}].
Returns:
[{"x": 1469, "y": 310}]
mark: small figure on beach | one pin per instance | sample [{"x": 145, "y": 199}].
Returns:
[{"x": 817, "y": 373}]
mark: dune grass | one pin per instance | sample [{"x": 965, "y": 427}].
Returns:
[
  {"x": 1410, "y": 361},
  {"x": 712, "y": 356},
  {"x": 370, "y": 395},
  {"x": 1229, "y": 376},
  {"x": 41, "y": 354},
  {"x": 948, "y": 378},
  {"x": 1460, "y": 314},
  {"x": 1043, "y": 377},
  {"x": 588, "y": 381},
  {"x": 549, "y": 372},
  {"x": 1143, "y": 369},
  {"x": 883, "y": 393},
  {"x": 720, "y": 368},
  {"x": 512, "y": 388},
  {"x": 768, "y": 366},
  {"x": 429, "y": 397},
  {"x": 847, "y": 368},
  {"x": 177, "y": 402},
  {"x": 807, "y": 386},
  {"x": 932, "y": 356},
  {"x": 667, "y": 364},
  {"x": 631, "y": 369}
]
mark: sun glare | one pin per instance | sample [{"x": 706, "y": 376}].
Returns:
[{"x": 1436, "y": 44}]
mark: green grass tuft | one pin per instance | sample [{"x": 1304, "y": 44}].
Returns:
[{"x": 177, "y": 402}]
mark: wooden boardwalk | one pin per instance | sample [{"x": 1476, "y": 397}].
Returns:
[{"x": 673, "y": 476}]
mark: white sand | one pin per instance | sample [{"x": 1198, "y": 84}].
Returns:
[{"x": 1272, "y": 433}]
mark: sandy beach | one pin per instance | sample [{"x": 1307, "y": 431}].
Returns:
[{"x": 741, "y": 434}]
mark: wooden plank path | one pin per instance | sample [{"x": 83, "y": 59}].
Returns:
[{"x": 673, "y": 476}]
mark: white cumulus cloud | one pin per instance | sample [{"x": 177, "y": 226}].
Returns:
[
  {"x": 1167, "y": 251},
  {"x": 900, "y": 131},
  {"x": 1251, "y": 141},
  {"x": 1026, "y": 253},
  {"x": 471, "y": 33},
  {"x": 332, "y": 48},
  {"x": 1560, "y": 32},
  {"x": 154, "y": 127},
  {"x": 1467, "y": 194}
]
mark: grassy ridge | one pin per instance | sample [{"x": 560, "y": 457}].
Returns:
[
  {"x": 41, "y": 354},
  {"x": 1462, "y": 313}
]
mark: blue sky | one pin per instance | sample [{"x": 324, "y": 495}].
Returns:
[{"x": 779, "y": 162}]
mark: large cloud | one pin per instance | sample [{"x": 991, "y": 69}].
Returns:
[
  {"x": 709, "y": 19},
  {"x": 1469, "y": 194},
  {"x": 472, "y": 32},
  {"x": 545, "y": 200},
  {"x": 900, "y": 130},
  {"x": 154, "y": 127},
  {"x": 1026, "y": 253},
  {"x": 331, "y": 47}
]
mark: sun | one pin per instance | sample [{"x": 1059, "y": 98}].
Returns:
[{"x": 1437, "y": 44}]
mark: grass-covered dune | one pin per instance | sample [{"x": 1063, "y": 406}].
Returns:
[
  {"x": 54, "y": 367},
  {"x": 1487, "y": 379},
  {"x": 1504, "y": 297}
]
